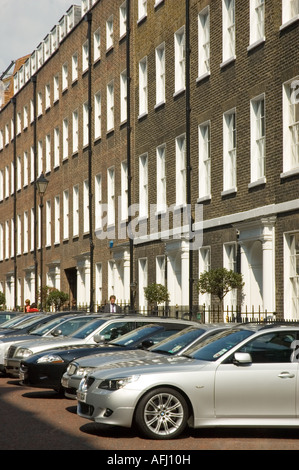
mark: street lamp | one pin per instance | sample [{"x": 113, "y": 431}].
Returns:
[{"x": 41, "y": 185}]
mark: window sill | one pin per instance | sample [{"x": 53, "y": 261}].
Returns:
[
  {"x": 289, "y": 22},
  {"x": 256, "y": 44},
  {"x": 179, "y": 92},
  {"x": 227, "y": 62},
  {"x": 258, "y": 182},
  {"x": 208, "y": 197},
  {"x": 203, "y": 77},
  {"x": 142, "y": 116},
  {"x": 228, "y": 192},
  {"x": 287, "y": 174}
]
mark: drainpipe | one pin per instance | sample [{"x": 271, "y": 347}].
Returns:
[
  {"x": 132, "y": 283},
  {"x": 33, "y": 79},
  {"x": 15, "y": 197},
  {"x": 88, "y": 18},
  {"x": 188, "y": 156}
]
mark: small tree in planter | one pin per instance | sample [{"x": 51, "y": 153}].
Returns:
[
  {"x": 2, "y": 300},
  {"x": 156, "y": 294},
  {"x": 219, "y": 282},
  {"x": 56, "y": 298}
]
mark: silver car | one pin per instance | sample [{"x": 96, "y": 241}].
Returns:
[
  {"x": 243, "y": 377},
  {"x": 174, "y": 345}
]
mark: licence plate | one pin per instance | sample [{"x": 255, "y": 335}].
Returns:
[{"x": 81, "y": 396}]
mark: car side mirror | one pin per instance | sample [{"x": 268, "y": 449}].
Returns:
[
  {"x": 56, "y": 332},
  {"x": 98, "y": 338},
  {"x": 242, "y": 359}
]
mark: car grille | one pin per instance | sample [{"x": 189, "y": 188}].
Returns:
[{"x": 85, "y": 409}]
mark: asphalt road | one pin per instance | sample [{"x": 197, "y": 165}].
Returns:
[{"x": 35, "y": 419}]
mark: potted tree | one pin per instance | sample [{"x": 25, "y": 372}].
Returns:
[
  {"x": 156, "y": 294},
  {"x": 219, "y": 282},
  {"x": 2, "y": 300}
]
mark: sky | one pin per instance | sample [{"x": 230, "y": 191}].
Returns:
[{"x": 25, "y": 23}]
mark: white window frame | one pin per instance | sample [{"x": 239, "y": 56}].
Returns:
[
  {"x": 161, "y": 178},
  {"x": 204, "y": 43},
  {"x": 97, "y": 45},
  {"x": 75, "y": 131},
  {"x": 48, "y": 152},
  {"x": 204, "y": 161},
  {"x": 110, "y": 106},
  {"x": 74, "y": 67},
  {"x": 48, "y": 223},
  {"x": 290, "y": 127},
  {"x": 160, "y": 74},
  {"x": 66, "y": 214},
  {"x": 85, "y": 206},
  {"x": 85, "y": 123},
  {"x": 56, "y": 147},
  {"x": 56, "y": 88},
  {"x": 64, "y": 73},
  {"x": 179, "y": 60},
  {"x": 290, "y": 12},
  {"x": 257, "y": 23},
  {"x": 65, "y": 139},
  {"x": 97, "y": 116},
  {"x": 257, "y": 139},
  {"x": 229, "y": 152},
  {"x": 123, "y": 96},
  {"x": 26, "y": 232},
  {"x": 109, "y": 33},
  {"x": 228, "y": 32},
  {"x": 143, "y": 186},
  {"x": 123, "y": 20},
  {"x": 181, "y": 170},
  {"x": 142, "y": 9},
  {"x": 57, "y": 220},
  {"x": 85, "y": 56},
  {"x": 111, "y": 196},
  {"x": 98, "y": 202},
  {"x": 143, "y": 88},
  {"x": 76, "y": 210},
  {"x": 124, "y": 190}
]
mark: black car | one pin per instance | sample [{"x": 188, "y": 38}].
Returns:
[{"x": 45, "y": 369}]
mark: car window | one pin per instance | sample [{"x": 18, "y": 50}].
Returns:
[
  {"x": 215, "y": 346},
  {"x": 271, "y": 347},
  {"x": 71, "y": 326},
  {"x": 116, "y": 329},
  {"x": 135, "y": 335},
  {"x": 86, "y": 330},
  {"x": 43, "y": 329},
  {"x": 174, "y": 344}
]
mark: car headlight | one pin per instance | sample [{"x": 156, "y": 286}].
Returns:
[
  {"x": 117, "y": 383},
  {"x": 23, "y": 352},
  {"x": 50, "y": 358}
]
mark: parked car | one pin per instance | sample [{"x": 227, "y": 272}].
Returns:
[
  {"x": 171, "y": 346},
  {"x": 105, "y": 327},
  {"x": 6, "y": 315},
  {"x": 46, "y": 329},
  {"x": 246, "y": 376},
  {"x": 28, "y": 321},
  {"x": 45, "y": 369}
]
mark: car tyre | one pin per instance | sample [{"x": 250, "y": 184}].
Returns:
[{"x": 162, "y": 414}]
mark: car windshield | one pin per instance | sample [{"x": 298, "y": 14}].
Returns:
[
  {"x": 88, "y": 329},
  {"x": 178, "y": 341},
  {"x": 215, "y": 346},
  {"x": 135, "y": 335},
  {"x": 13, "y": 321},
  {"x": 29, "y": 321},
  {"x": 41, "y": 330}
]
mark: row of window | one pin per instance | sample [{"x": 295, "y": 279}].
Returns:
[
  {"x": 290, "y": 10},
  {"x": 257, "y": 151}
]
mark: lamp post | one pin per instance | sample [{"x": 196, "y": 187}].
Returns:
[{"x": 41, "y": 185}]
